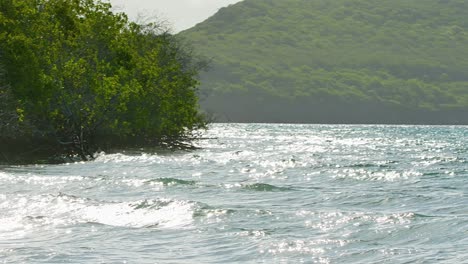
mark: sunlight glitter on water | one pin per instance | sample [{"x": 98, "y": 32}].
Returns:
[
  {"x": 252, "y": 193},
  {"x": 381, "y": 175}
]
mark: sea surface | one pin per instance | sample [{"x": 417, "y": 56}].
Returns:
[{"x": 251, "y": 193}]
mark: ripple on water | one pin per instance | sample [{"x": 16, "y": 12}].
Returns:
[
  {"x": 43, "y": 180},
  {"x": 385, "y": 175},
  {"x": 264, "y": 187},
  {"x": 256, "y": 187},
  {"x": 348, "y": 221},
  {"x": 170, "y": 181}
]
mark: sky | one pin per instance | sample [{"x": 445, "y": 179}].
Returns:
[{"x": 178, "y": 14}]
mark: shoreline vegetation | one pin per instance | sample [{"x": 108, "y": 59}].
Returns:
[{"x": 77, "y": 78}]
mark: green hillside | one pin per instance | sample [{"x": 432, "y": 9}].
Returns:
[{"x": 346, "y": 61}]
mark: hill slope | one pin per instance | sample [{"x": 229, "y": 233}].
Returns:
[{"x": 345, "y": 61}]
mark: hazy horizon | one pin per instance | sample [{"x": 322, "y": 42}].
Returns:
[{"x": 179, "y": 15}]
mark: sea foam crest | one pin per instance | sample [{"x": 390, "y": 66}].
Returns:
[
  {"x": 120, "y": 157},
  {"x": 146, "y": 213},
  {"x": 21, "y": 213}
]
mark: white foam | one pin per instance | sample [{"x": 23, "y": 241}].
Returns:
[
  {"x": 22, "y": 214},
  {"x": 123, "y": 158},
  {"x": 174, "y": 214}
]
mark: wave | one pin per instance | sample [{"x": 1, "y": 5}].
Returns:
[
  {"x": 264, "y": 187},
  {"x": 161, "y": 213},
  {"x": 21, "y": 213},
  {"x": 170, "y": 181},
  {"x": 386, "y": 164}
]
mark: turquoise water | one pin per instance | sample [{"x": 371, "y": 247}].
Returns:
[{"x": 252, "y": 193}]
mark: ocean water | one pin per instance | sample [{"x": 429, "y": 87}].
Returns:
[{"x": 252, "y": 193}]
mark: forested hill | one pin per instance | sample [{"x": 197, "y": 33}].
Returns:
[{"x": 340, "y": 61}]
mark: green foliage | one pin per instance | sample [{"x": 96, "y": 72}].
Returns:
[
  {"x": 403, "y": 53},
  {"x": 84, "y": 77}
]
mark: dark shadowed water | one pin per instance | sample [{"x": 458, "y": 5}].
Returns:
[{"x": 253, "y": 193}]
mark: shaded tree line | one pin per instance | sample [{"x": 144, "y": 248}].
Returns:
[{"x": 77, "y": 77}]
